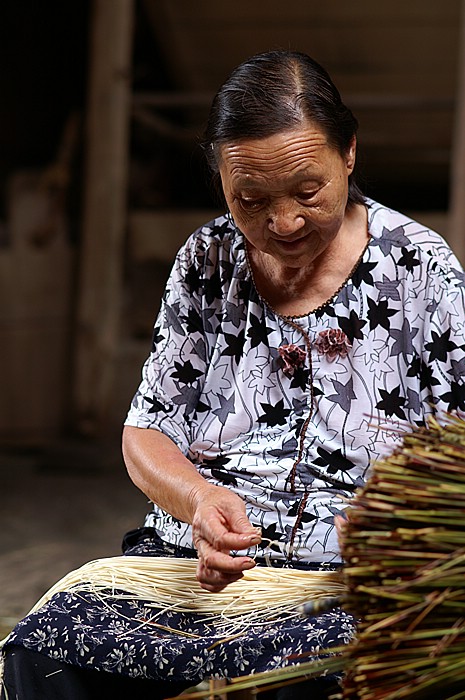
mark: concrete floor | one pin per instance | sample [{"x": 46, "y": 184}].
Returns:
[{"x": 59, "y": 508}]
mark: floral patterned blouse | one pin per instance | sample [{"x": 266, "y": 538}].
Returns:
[
  {"x": 286, "y": 411},
  {"x": 290, "y": 411}
]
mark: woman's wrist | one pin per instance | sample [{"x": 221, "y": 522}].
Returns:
[{"x": 199, "y": 494}]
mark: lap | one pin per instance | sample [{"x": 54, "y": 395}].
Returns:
[
  {"x": 29, "y": 675},
  {"x": 126, "y": 639}
]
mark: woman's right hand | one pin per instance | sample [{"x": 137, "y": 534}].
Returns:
[
  {"x": 218, "y": 517},
  {"x": 220, "y": 525}
]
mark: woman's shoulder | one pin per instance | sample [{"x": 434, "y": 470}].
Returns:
[
  {"x": 217, "y": 239},
  {"x": 219, "y": 231},
  {"x": 390, "y": 228},
  {"x": 212, "y": 258}
]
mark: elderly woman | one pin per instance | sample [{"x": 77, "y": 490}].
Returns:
[{"x": 298, "y": 333}]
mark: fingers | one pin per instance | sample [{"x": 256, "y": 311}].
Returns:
[
  {"x": 341, "y": 528},
  {"x": 224, "y": 540},
  {"x": 240, "y": 524},
  {"x": 220, "y": 525},
  {"x": 213, "y": 581},
  {"x": 340, "y": 524},
  {"x": 216, "y": 570},
  {"x": 224, "y": 524}
]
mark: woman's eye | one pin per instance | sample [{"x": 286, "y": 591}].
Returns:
[
  {"x": 251, "y": 205},
  {"x": 306, "y": 196}
]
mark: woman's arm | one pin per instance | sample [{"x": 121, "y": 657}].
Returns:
[{"x": 217, "y": 515}]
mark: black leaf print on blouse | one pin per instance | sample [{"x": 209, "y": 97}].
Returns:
[
  {"x": 202, "y": 408},
  {"x": 225, "y": 477},
  {"x": 244, "y": 290},
  {"x": 212, "y": 287},
  {"x": 403, "y": 340},
  {"x": 157, "y": 337},
  {"x": 326, "y": 310},
  {"x": 408, "y": 259},
  {"x": 219, "y": 462},
  {"x": 300, "y": 378},
  {"x": 186, "y": 372},
  {"x": 344, "y": 394},
  {"x": 193, "y": 279},
  {"x": 155, "y": 405},
  {"x": 395, "y": 238},
  {"x": 440, "y": 346},
  {"x": 379, "y": 314},
  {"x": 235, "y": 345},
  {"x": 270, "y": 533},
  {"x": 455, "y": 397},
  {"x": 298, "y": 425},
  {"x": 419, "y": 368},
  {"x": 258, "y": 331},
  {"x": 227, "y": 269},
  {"x": 293, "y": 512},
  {"x": 288, "y": 449},
  {"x": 274, "y": 415},
  {"x": 226, "y": 408},
  {"x": 222, "y": 230},
  {"x": 457, "y": 369},
  {"x": 235, "y": 314},
  {"x": 388, "y": 288},
  {"x": 174, "y": 319},
  {"x": 352, "y": 326},
  {"x": 334, "y": 461},
  {"x": 363, "y": 274},
  {"x": 217, "y": 466},
  {"x": 193, "y": 321},
  {"x": 392, "y": 402}
]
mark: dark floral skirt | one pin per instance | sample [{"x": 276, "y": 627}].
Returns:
[{"x": 130, "y": 637}]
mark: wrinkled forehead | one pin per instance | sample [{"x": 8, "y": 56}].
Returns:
[
  {"x": 305, "y": 130},
  {"x": 294, "y": 154}
]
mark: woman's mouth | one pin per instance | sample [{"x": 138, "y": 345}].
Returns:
[{"x": 291, "y": 245}]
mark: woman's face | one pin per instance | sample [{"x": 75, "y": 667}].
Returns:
[{"x": 287, "y": 193}]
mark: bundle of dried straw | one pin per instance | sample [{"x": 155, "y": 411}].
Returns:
[
  {"x": 168, "y": 583},
  {"x": 404, "y": 548}
]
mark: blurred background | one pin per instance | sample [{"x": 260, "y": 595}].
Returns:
[{"x": 101, "y": 180}]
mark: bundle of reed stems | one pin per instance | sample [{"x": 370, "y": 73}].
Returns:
[
  {"x": 404, "y": 548},
  {"x": 168, "y": 583},
  {"x": 404, "y": 572}
]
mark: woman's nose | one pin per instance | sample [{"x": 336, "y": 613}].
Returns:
[{"x": 285, "y": 219}]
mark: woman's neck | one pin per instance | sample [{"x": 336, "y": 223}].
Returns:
[{"x": 296, "y": 291}]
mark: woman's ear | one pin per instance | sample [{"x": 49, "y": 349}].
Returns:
[{"x": 351, "y": 154}]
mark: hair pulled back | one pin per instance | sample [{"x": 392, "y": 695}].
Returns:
[{"x": 274, "y": 92}]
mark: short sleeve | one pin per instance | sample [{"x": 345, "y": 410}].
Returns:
[
  {"x": 443, "y": 356},
  {"x": 174, "y": 373}
]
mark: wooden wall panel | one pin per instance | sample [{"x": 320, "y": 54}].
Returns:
[
  {"x": 104, "y": 219},
  {"x": 392, "y": 44},
  {"x": 294, "y": 11},
  {"x": 395, "y": 63}
]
